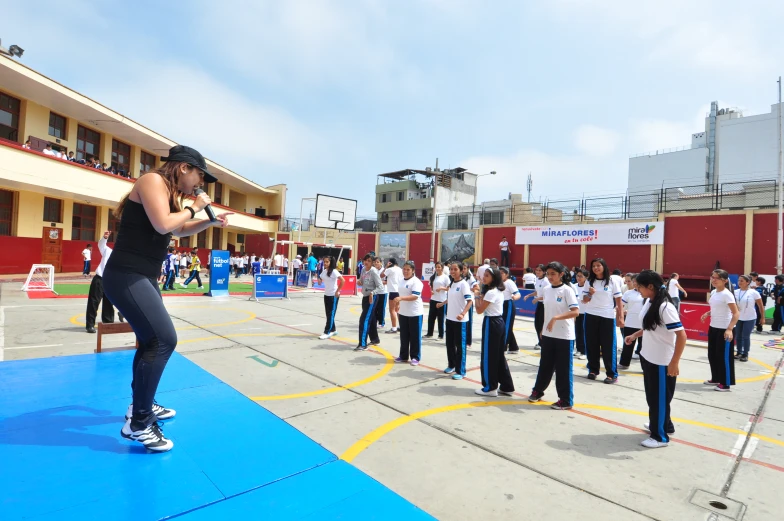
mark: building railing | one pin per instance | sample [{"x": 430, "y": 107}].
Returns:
[{"x": 644, "y": 205}]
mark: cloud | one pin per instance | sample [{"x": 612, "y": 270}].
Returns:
[{"x": 596, "y": 141}]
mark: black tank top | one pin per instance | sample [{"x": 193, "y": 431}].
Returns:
[{"x": 139, "y": 248}]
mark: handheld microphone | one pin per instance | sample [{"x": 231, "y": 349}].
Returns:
[{"x": 208, "y": 208}]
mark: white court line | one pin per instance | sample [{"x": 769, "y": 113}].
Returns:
[
  {"x": 298, "y": 325},
  {"x": 33, "y": 347},
  {"x": 741, "y": 440}
]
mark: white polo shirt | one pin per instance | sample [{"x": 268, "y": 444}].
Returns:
[
  {"x": 330, "y": 282},
  {"x": 557, "y": 301},
  {"x": 408, "y": 287},
  {"x": 721, "y": 315},
  {"x": 394, "y": 276},
  {"x": 510, "y": 289},
  {"x": 747, "y": 303},
  {"x": 529, "y": 278},
  {"x": 495, "y": 299},
  {"x": 441, "y": 281},
  {"x": 540, "y": 285},
  {"x": 672, "y": 288},
  {"x": 88, "y": 254},
  {"x": 480, "y": 271},
  {"x": 634, "y": 302},
  {"x": 504, "y": 245},
  {"x": 458, "y": 295},
  {"x": 658, "y": 345},
  {"x": 601, "y": 302}
]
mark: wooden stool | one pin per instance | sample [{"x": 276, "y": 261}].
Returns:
[{"x": 111, "y": 329}]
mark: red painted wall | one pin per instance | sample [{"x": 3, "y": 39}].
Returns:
[
  {"x": 544, "y": 254},
  {"x": 19, "y": 253},
  {"x": 763, "y": 247},
  {"x": 419, "y": 249},
  {"x": 692, "y": 245},
  {"x": 365, "y": 243},
  {"x": 283, "y": 249},
  {"x": 258, "y": 243},
  {"x": 491, "y": 238},
  {"x": 626, "y": 258},
  {"x": 72, "y": 256}
]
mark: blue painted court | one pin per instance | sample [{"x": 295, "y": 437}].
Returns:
[{"x": 62, "y": 457}]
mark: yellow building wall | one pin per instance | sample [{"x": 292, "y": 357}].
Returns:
[{"x": 30, "y": 212}]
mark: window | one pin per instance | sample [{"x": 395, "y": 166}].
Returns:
[
  {"x": 201, "y": 239},
  {"x": 56, "y": 125},
  {"x": 88, "y": 143},
  {"x": 6, "y": 211},
  {"x": 407, "y": 215},
  {"x": 401, "y": 196},
  {"x": 121, "y": 156},
  {"x": 216, "y": 238},
  {"x": 185, "y": 242},
  {"x": 53, "y": 210},
  {"x": 218, "y": 193},
  {"x": 457, "y": 222},
  {"x": 422, "y": 217},
  {"x": 384, "y": 217},
  {"x": 493, "y": 217},
  {"x": 83, "y": 222},
  {"x": 114, "y": 226},
  {"x": 384, "y": 198},
  {"x": 147, "y": 163},
  {"x": 9, "y": 117}
]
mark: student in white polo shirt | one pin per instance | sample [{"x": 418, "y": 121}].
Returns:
[
  {"x": 511, "y": 293},
  {"x": 724, "y": 314},
  {"x": 381, "y": 305},
  {"x": 560, "y": 310},
  {"x": 632, "y": 301},
  {"x": 750, "y": 306},
  {"x": 459, "y": 301},
  {"x": 409, "y": 309},
  {"x": 538, "y": 297},
  {"x": 603, "y": 313},
  {"x": 496, "y": 377},
  {"x": 333, "y": 283},
  {"x": 394, "y": 275},
  {"x": 439, "y": 286},
  {"x": 665, "y": 340}
]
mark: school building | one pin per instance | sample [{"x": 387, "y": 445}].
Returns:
[{"x": 50, "y": 207}]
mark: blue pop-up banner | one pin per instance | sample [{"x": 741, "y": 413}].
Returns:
[
  {"x": 270, "y": 286},
  {"x": 303, "y": 278},
  {"x": 525, "y": 308},
  {"x": 219, "y": 273}
]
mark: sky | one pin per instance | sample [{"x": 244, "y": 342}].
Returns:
[{"x": 324, "y": 95}]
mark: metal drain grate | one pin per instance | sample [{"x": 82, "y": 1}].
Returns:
[{"x": 726, "y": 508}]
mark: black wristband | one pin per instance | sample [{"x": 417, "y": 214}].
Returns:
[{"x": 193, "y": 214}]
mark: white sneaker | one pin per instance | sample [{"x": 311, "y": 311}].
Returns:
[
  {"x": 493, "y": 393},
  {"x": 653, "y": 444},
  {"x": 152, "y": 437},
  {"x": 329, "y": 335},
  {"x": 183, "y": 285},
  {"x": 636, "y": 356},
  {"x": 537, "y": 347},
  {"x": 324, "y": 336},
  {"x": 581, "y": 357},
  {"x": 162, "y": 413}
]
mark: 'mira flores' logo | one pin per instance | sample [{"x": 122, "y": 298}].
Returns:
[{"x": 642, "y": 233}]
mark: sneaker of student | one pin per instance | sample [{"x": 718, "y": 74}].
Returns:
[
  {"x": 449, "y": 370},
  {"x": 481, "y": 392},
  {"x": 710, "y": 382},
  {"x": 375, "y": 342},
  {"x": 427, "y": 336},
  {"x": 591, "y": 376},
  {"x": 399, "y": 360},
  {"x": 650, "y": 443},
  {"x": 537, "y": 347},
  {"x": 331, "y": 334},
  {"x": 722, "y": 388},
  {"x": 624, "y": 367},
  {"x": 183, "y": 285},
  {"x": 161, "y": 412},
  {"x": 440, "y": 338},
  {"x": 744, "y": 358},
  {"x": 513, "y": 352},
  {"x": 737, "y": 355},
  {"x": 324, "y": 336},
  {"x": 457, "y": 376},
  {"x": 581, "y": 356},
  {"x": 506, "y": 393},
  {"x": 152, "y": 437},
  {"x": 611, "y": 380},
  {"x": 414, "y": 362},
  {"x": 535, "y": 396},
  {"x": 575, "y": 354},
  {"x": 636, "y": 356},
  {"x": 361, "y": 348},
  {"x": 560, "y": 406},
  {"x": 392, "y": 331},
  {"x": 199, "y": 287}
]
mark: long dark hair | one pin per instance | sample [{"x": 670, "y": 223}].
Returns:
[
  {"x": 170, "y": 172},
  {"x": 652, "y": 318},
  {"x": 497, "y": 283},
  {"x": 433, "y": 276},
  {"x": 331, "y": 265},
  {"x": 542, "y": 268},
  {"x": 556, "y": 266},
  {"x": 723, "y": 275},
  {"x": 459, "y": 268},
  {"x": 592, "y": 276}
]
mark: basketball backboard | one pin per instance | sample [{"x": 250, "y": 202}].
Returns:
[{"x": 336, "y": 213}]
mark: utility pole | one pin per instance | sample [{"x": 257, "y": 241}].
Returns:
[
  {"x": 530, "y": 186},
  {"x": 435, "y": 216},
  {"x": 780, "y": 241}
]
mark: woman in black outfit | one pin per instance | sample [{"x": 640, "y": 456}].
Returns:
[{"x": 149, "y": 215}]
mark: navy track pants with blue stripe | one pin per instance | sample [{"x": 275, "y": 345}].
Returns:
[
  {"x": 556, "y": 357},
  {"x": 495, "y": 370},
  {"x": 410, "y": 337},
  {"x": 721, "y": 357},
  {"x": 367, "y": 322},
  {"x": 330, "y": 308},
  {"x": 600, "y": 342},
  {"x": 659, "y": 390}
]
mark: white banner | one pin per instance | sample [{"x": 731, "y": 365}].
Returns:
[
  {"x": 428, "y": 268},
  {"x": 630, "y": 233}
]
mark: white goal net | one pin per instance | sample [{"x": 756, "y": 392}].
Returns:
[{"x": 40, "y": 278}]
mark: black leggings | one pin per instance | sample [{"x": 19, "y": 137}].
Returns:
[
  {"x": 539, "y": 320},
  {"x": 139, "y": 300},
  {"x": 510, "y": 341},
  {"x": 433, "y": 314},
  {"x": 410, "y": 337},
  {"x": 629, "y": 350},
  {"x": 600, "y": 343}
]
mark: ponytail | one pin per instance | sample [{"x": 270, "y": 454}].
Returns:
[{"x": 652, "y": 318}]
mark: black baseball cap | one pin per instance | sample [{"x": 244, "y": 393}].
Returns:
[{"x": 181, "y": 153}]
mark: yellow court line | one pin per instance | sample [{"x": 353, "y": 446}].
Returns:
[
  {"x": 369, "y": 439},
  {"x": 250, "y": 316},
  {"x": 389, "y": 362}
]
